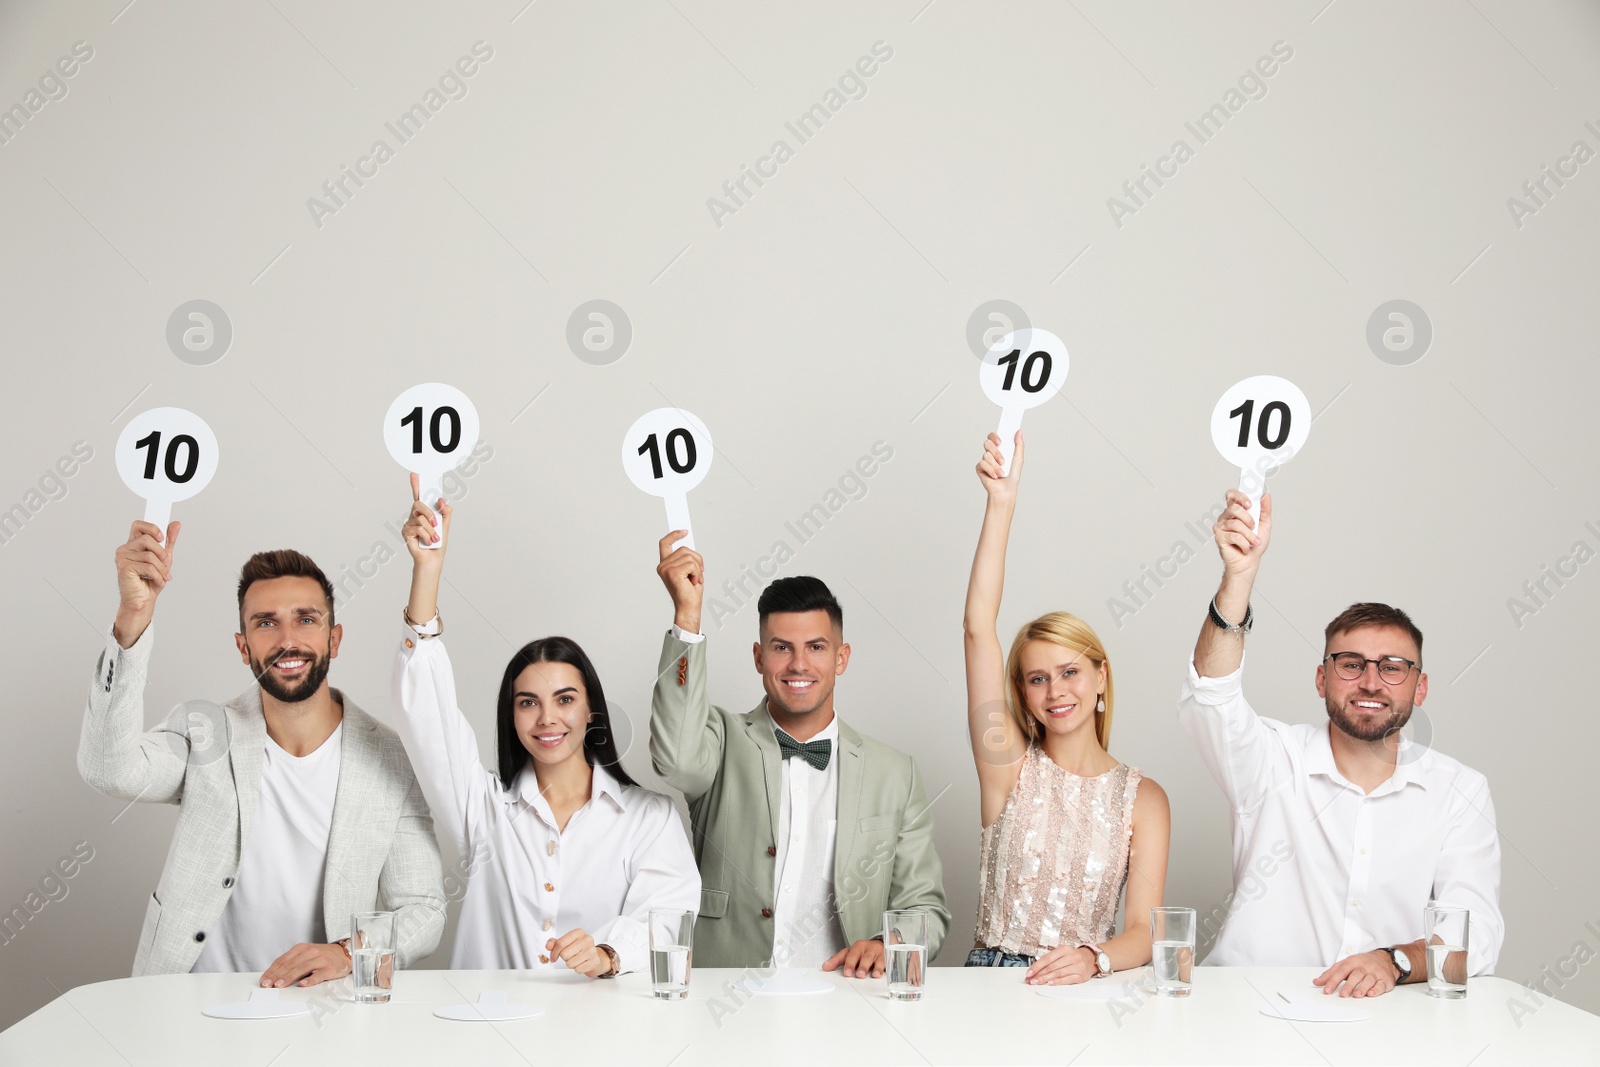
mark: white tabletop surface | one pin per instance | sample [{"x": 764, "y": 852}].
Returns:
[{"x": 967, "y": 1016}]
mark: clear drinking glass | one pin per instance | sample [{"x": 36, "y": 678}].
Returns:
[
  {"x": 1172, "y": 950},
  {"x": 671, "y": 950},
  {"x": 1444, "y": 930},
  {"x": 372, "y": 956},
  {"x": 905, "y": 947}
]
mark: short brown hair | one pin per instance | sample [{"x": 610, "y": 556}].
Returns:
[
  {"x": 282, "y": 563},
  {"x": 1357, "y": 616}
]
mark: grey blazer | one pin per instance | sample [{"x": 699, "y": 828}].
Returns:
[{"x": 381, "y": 850}]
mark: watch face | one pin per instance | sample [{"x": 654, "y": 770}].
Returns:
[
  {"x": 1402, "y": 961},
  {"x": 1103, "y": 961}
]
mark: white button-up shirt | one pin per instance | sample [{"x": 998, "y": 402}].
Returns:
[
  {"x": 1321, "y": 870},
  {"x": 806, "y": 929},
  {"x": 623, "y": 853}
]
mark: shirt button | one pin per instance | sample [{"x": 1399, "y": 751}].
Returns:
[
  {"x": 201, "y": 936},
  {"x": 1363, "y": 852},
  {"x": 227, "y": 883},
  {"x": 548, "y": 923},
  {"x": 1354, "y": 903},
  {"x": 772, "y": 850},
  {"x": 543, "y": 958},
  {"x": 409, "y": 644},
  {"x": 548, "y": 888},
  {"x": 550, "y": 849},
  {"x": 766, "y": 913}
]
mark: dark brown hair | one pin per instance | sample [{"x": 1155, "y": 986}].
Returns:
[
  {"x": 1357, "y": 616},
  {"x": 599, "y": 741},
  {"x": 281, "y": 563}
]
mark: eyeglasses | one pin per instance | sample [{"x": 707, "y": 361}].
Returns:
[{"x": 1352, "y": 665}]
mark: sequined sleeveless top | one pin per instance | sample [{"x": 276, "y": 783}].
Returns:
[{"x": 1053, "y": 865}]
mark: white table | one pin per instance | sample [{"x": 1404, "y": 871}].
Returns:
[{"x": 967, "y": 1016}]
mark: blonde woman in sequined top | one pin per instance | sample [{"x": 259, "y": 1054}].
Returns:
[{"x": 1066, "y": 827}]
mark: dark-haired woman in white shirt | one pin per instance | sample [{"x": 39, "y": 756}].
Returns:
[{"x": 566, "y": 854}]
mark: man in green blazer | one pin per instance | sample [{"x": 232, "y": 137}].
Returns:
[{"x": 805, "y": 831}]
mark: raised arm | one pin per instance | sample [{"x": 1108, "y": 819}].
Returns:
[
  {"x": 440, "y": 743},
  {"x": 1242, "y": 542},
  {"x": 1237, "y": 746},
  {"x": 997, "y": 744},
  {"x": 686, "y": 733},
  {"x": 115, "y": 754},
  {"x": 425, "y": 527}
]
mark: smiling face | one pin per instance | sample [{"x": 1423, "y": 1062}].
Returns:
[
  {"x": 286, "y": 638},
  {"x": 799, "y": 656},
  {"x": 1062, "y": 686},
  {"x": 550, "y": 709},
  {"x": 1368, "y": 708}
]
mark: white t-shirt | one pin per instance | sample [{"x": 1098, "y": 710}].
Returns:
[{"x": 277, "y": 894}]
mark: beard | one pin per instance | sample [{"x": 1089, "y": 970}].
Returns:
[
  {"x": 1375, "y": 729},
  {"x": 292, "y": 691}
]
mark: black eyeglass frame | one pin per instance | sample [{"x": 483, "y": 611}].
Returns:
[{"x": 1409, "y": 665}]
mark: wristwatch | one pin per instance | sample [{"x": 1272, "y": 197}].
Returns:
[
  {"x": 1402, "y": 963},
  {"x": 616, "y": 964},
  {"x": 1226, "y": 626},
  {"x": 1102, "y": 962}
]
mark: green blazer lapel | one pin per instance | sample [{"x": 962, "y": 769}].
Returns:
[
  {"x": 758, "y": 726},
  {"x": 247, "y": 741},
  {"x": 851, "y": 772}
]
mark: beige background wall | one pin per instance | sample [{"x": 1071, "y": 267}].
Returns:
[{"x": 826, "y": 312}]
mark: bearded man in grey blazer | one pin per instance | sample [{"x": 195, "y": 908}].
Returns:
[
  {"x": 805, "y": 831},
  {"x": 296, "y": 808}
]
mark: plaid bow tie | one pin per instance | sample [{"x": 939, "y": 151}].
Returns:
[{"x": 815, "y": 753}]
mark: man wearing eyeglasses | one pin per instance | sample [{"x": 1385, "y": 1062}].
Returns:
[
  {"x": 296, "y": 809},
  {"x": 1375, "y": 826}
]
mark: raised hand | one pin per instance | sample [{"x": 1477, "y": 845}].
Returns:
[
  {"x": 989, "y": 467},
  {"x": 144, "y": 567},
  {"x": 425, "y": 527},
  {"x": 682, "y": 571},
  {"x": 1241, "y": 540}
]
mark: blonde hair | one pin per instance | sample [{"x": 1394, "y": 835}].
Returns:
[{"x": 1068, "y": 631}]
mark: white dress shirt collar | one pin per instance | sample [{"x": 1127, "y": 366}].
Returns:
[
  {"x": 1412, "y": 762},
  {"x": 605, "y": 784}
]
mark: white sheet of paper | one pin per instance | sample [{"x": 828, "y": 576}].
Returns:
[
  {"x": 491, "y": 1007},
  {"x": 1301, "y": 1007},
  {"x": 263, "y": 1004}
]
